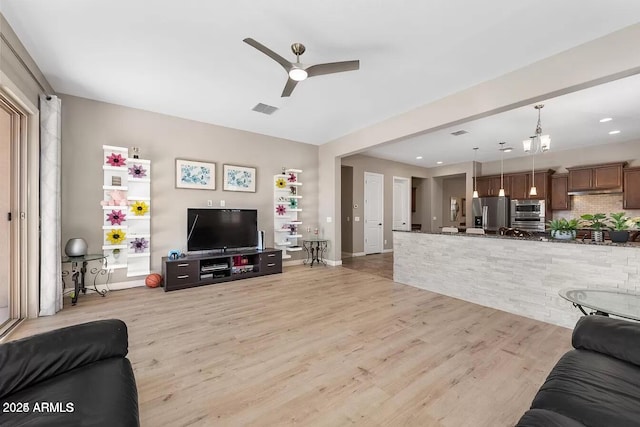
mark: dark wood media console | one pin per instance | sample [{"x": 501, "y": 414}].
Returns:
[{"x": 220, "y": 267}]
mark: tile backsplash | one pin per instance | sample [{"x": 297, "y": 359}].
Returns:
[{"x": 595, "y": 203}]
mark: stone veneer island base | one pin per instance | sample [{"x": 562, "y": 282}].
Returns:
[{"x": 515, "y": 275}]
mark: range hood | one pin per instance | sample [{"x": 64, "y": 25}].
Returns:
[{"x": 595, "y": 191}]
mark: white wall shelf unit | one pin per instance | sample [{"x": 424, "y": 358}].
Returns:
[
  {"x": 286, "y": 223},
  {"x": 127, "y": 212}
]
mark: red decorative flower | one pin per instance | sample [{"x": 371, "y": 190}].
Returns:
[
  {"x": 116, "y": 217},
  {"x": 116, "y": 160},
  {"x": 281, "y": 210},
  {"x": 292, "y": 177}
]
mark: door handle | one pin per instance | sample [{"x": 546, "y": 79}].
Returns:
[{"x": 380, "y": 224}]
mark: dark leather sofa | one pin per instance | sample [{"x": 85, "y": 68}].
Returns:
[
  {"x": 595, "y": 385},
  {"x": 75, "y": 376}
]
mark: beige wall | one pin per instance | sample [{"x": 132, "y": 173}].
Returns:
[
  {"x": 453, "y": 187},
  {"x": 87, "y": 125},
  {"x": 346, "y": 208},
  {"x": 421, "y": 215},
  {"x": 389, "y": 169}
]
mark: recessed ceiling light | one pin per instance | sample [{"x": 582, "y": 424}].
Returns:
[
  {"x": 418, "y": 157},
  {"x": 606, "y": 119},
  {"x": 438, "y": 163},
  {"x": 614, "y": 132}
]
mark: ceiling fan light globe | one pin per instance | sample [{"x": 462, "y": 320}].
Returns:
[{"x": 298, "y": 74}]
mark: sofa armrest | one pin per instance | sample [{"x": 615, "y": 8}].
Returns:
[
  {"x": 614, "y": 337},
  {"x": 33, "y": 359}
]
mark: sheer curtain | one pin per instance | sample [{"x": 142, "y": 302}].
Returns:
[{"x": 50, "y": 266}]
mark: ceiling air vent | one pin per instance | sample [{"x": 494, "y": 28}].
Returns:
[
  {"x": 265, "y": 109},
  {"x": 459, "y": 132}
]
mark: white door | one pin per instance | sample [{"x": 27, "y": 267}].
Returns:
[
  {"x": 373, "y": 212},
  {"x": 401, "y": 204}
]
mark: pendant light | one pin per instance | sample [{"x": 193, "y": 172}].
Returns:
[
  {"x": 537, "y": 143},
  {"x": 533, "y": 191},
  {"x": 475, "y": 189},
  {"x": 501, "y": 192}
]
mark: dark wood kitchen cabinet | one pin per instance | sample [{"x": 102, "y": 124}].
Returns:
[
  {"x": 560, "y": 200},
  {"x": 605, "y": 178},
  {"x": 542, "y": 182},
  {"x": 488, "y": 186},
  {"x": 519, "y": 186},
  {"x": 631, "y": 195},
  {"x": 580, "y": 179}
]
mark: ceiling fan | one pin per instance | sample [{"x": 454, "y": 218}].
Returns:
[{"x": 298, "y": 71}]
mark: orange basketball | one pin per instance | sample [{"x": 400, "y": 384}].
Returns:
[{"x": 153, "y": 280}]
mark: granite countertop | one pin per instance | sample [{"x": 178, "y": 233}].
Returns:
[{"x": 539, "y": 238}]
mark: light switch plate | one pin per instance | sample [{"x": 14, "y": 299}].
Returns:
[
  {"x": 222, "y": 203},
  {"x": 356, "y": 218},
  {"x": 329, "y": 219}
]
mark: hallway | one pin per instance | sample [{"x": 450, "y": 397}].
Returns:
[{"x": 377, "y": 264}]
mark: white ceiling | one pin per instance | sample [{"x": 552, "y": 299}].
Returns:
[
  {"x": 186, "y": 58},
  {"x": 572, "y": 121}
]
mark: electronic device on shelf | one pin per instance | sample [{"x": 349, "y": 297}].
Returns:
[{"x": 214, "y": 267}]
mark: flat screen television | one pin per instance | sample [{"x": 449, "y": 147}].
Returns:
[{"x": 213, "y": 229}]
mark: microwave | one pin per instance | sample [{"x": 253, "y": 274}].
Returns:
[{"x": 528, "y": 215}]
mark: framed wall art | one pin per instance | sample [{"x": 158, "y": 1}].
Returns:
[
  {"x": 239, "y": 178},
  {"x": 195, "y": 175}
]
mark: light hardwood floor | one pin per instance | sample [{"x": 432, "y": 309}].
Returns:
[
  {"x": 377, "y": 264},
  {"x": 323, "y": 347}
]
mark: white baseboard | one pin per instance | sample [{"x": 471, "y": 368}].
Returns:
[
  {"x": 334, "y": 263},
  {"x": 386, "y": 251},
  {"x": 356, "y": 254}
]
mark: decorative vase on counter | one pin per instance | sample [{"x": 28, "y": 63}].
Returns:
[
  {"x": 76, "y": 247},
  {"x": 563, "y": 235},
  {"x": 619, "y": 236},
  {"x": 597, "y": 236}
]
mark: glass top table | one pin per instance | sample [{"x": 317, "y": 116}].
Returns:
[{"x": 604, "y": 302}]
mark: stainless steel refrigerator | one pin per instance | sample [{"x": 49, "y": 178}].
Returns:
[{"x": 490, "y": 213}]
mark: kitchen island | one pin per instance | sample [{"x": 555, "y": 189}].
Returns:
[{"x": 518, "y": 275}]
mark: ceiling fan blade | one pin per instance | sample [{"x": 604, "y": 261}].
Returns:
[
  {"x": 271, "y": 54},
  {"x": 288, "y": 88},
  {"x": 332, "y": 67}
]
